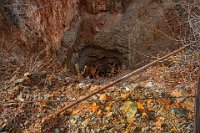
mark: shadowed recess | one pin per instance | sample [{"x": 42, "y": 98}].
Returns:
[{"x": 96, "y": 60}]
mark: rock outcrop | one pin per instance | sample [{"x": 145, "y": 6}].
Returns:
[
  {"x": 97, "y": 33},
  {"x": 116, "y": 32},
  {"x": 43, "y": 22}
]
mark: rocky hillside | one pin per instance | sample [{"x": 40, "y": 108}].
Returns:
[
  {"x": 119, "y": 31},
  {"x": 54, "y": 52}
]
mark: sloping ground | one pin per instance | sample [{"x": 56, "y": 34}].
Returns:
[
  {"x": 34, "y": 85},
  {"x": 118, "y": 110},
  {"x": 122, "y": 113}
]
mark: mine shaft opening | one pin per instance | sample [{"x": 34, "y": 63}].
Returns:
[{"x": 93, "y": 61}]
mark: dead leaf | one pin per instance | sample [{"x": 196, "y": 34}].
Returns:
[
  {"x": 125, "y": 96},
  {"x": 141, "y": 108},
  {"x": 108, "y": 106},
  {"x": 149, "y": 102},
  {"x": 94, "y": 88},
  {"x": 166, "y": 101},
  {"x": 176, "y": 93},
  {"x": 109, "y": 114},
  {"x": 159, "y": 121},
  {"x": 75, "y": 112},
  {"x": 94, "y": 107},
  {"x": 105, "y": 97},
  {"x": 99, "y": 113},
  {"x": 42, "y": 103}
]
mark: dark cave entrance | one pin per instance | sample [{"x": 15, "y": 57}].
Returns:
[{"x": 94, "y": 60}]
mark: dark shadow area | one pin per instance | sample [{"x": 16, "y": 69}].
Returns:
[{"x": 94, "y": 60}]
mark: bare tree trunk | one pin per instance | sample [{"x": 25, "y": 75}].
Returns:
[{"x": 197, "y": 109}]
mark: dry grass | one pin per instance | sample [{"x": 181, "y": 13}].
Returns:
[{"x": 14, "y": 63}]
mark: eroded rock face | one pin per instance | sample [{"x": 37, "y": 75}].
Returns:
[
  {"x": 97, "y": 33},
  {"x": 130, "y": 31},
  {"x": 42, "y": 21}
]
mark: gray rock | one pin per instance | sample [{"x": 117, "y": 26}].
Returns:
[{"x": 57, "y": 130}]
